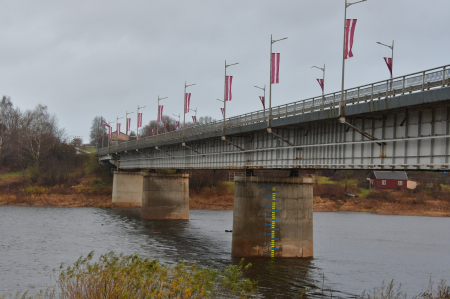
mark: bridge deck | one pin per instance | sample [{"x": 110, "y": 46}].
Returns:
[{"x": 407, "y": 125}]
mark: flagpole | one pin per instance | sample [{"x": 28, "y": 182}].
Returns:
[
  {"x": 264, "y": 105},
  {"x": 109, "y": 123},
  {"x": 157, "y": 119},
  {"x": 323, "y": 82},
  {"x": 178, "y": 120},
  {"x": 342, "y": 102},
  {"x": 126, "y": 118},
  {"x": 137, "y": 127},
  {"x": 225, "y": 96},
  {"x": 195, "y": 114},
  {"x": 392, "y": 74},
  {"x": 184, "y": 112},
  {"x": 270, "y": 81}
]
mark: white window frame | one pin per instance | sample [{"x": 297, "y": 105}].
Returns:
[
  {"x": 400, "y": 183},
  {"x": 383, "y": 182}
]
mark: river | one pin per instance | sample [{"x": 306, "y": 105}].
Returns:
[{"x": 353, "y": 251}]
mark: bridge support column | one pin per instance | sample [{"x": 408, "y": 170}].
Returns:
[
  {"x": 127, "y": 188},
  {"x": 165, "y": 196},
  {"x": 255, "y": 224}
]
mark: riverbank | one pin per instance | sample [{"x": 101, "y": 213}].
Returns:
[{"x": 101, "y": 198}]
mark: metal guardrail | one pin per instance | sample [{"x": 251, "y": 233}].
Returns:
[{"x": 420, "y": 81}]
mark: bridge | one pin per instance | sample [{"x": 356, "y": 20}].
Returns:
[{"x": 400, "y": 123}]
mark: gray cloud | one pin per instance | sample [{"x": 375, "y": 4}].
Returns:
[{"x": 88, "y": 58}]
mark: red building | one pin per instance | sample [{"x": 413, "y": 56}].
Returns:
[{"x": 388, "y": 179}]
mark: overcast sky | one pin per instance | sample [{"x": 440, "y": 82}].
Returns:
[{"x": 88, "y": 58}]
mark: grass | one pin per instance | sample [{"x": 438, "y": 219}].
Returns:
[
  {"x": 11, "y": 175},
  {"x": 364, "y": 193}
]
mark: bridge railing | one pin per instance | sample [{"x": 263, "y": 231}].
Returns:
[{"x": 420, "y": 81}]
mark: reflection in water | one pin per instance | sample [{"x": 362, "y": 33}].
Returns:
[{"x": 354, "y": 251}]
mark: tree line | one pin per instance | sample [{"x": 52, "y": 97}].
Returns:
[
  {"x": 99, "y": 135},
  {"x": 32, "y": 141}
]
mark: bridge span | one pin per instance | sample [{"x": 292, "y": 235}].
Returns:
[{"x": 396, "y": 124}]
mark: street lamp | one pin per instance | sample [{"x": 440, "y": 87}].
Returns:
[
  {"x": 137, "y": 125},
  {"x": 178, "y": 120},
  {"x": 157, "y": 118},
  {"x": 225, "y": 95},
  {"x": 117, "y": 131},
  {"x": 263, "y": 89},
  {"x": 109, "y": 123},
  {"x": 323, "y": 81},
  {"x": 270, "y": 79},
  {"x": 184, "y": 100},
  {"x": 126, "y": 122},
  {"x": 195, "y": 114},
  {"x": 392, "y": 48},
  {"x": 342, "y": 103}
]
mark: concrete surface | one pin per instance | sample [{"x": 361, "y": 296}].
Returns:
[
  {"x": 165, "y": 196},
  {"x": 295, "y": 223},
  {"x": 127, "y": 188}
]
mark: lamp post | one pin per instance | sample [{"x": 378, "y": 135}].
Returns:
[
  {"x": 126, "y": 122},
  {"x": 178, "y": 118},
  {"x": 323, "y": 81},
  {"x": 225, "y": 95},
  {"x": 117, "y": 131},
  {"x": 392, "y": 63},
  {"x": 195, "y": 114},
  {"x": 263, "y": 89},
  {"x": 342, "y": 103},
  {"x": 137, "y": 124},
  {"x": 184, "y": 100},
  {"x": 157, "y": 118},
  {"x": 109, "y": 123},
  {"x": 270, "y": 80}
]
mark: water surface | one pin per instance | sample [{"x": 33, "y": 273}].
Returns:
[{"x": 353, "y": 251}]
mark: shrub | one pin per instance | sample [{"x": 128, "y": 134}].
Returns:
[
  {"x": 331, "y": 191},
  {"x": 132, "y": 276}
]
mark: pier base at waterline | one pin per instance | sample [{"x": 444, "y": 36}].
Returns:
[
  {"x": 165, "y": 196},
  {"x": 273, "y": 217}
]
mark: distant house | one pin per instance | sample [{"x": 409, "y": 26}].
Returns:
[{"x": 388, "y": 179}]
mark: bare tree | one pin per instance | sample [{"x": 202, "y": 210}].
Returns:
[
  {"x": 98, "y": 130},
  {"x": 39, "y": 132}
]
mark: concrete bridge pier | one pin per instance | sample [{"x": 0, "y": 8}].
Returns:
[
  {"x": 160, "y": 196},
  {"x": 283, "y": 222},
  {"x": 165, "y": 196}
]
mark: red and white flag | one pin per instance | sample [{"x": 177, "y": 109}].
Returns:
[
  {"x": 128, "y": 124},
  {"x": 106, "y": 124},
  {"x": 187, "y": 102},
  {"x": 228, "y": 81},
  {"x": 160, "y": 113},
  {"x": 178, "y": 124},
  {"x": 263, "y": 102},
  {"x": 139, "y": 120},
  {"x": 153, "y": 132},
  {"x": 194, "y": 119},
  {"x": 221, "y": 110},
  {"x": 389, "y": 64},
  {"x": 275, "y": 68},
  {"x": 118, "y": 129},
  {"x": 320, "y": 83},
  {"x": 109, "y": 132},
  {"x": 349, "y": 33}
]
